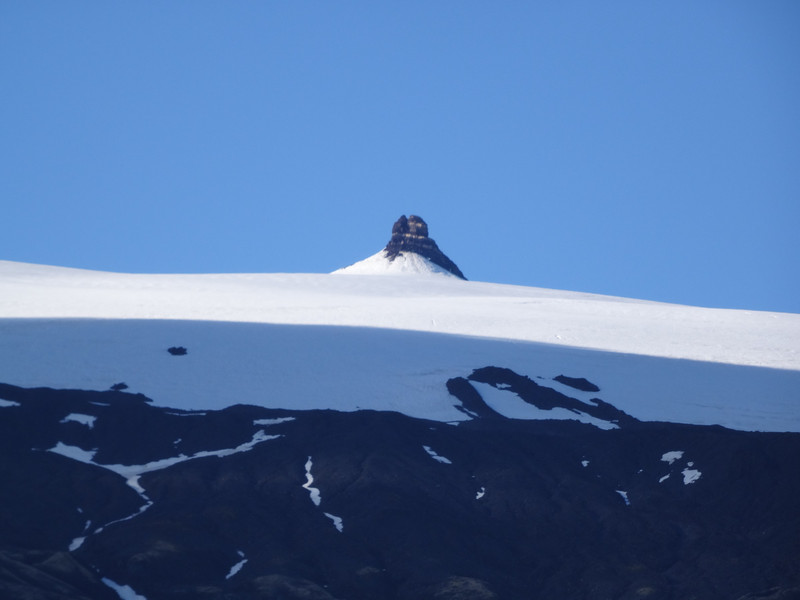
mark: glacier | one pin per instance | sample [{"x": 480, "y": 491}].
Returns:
[{"x": 351, "y": 341}]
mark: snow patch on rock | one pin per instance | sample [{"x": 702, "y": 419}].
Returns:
[
  {"x": 437, "y": 457},
  {"x": 87, "y": 420},
  {"x": 690, "y": 475},
  {"x": 313, "y": 492},
  {"x": 672, "y": 456},
  {"x": 238, "y": 566},
  {"x": 125, "y": 592}
]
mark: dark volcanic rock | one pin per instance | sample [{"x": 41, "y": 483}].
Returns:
[
  {"x": 543, "y": 398},
  {"x": 520, "y": 509},
  {"x": 471, "y": 401},
  {"x": 578, "y": 383},
  {"x": 411, "y": 235},
  {"x": 37, "y": 575},
  {"x": 775, "y": 594},
  {"x": 278, "y": 586}
]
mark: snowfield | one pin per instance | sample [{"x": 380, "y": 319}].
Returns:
[
  {"x": 409, "y": 263},
  {"x": 353, "y": 340}
]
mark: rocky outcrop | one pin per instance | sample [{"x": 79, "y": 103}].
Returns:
[
  {"x": 542, "y": 397},
  {"x": 410, "y": 234}
]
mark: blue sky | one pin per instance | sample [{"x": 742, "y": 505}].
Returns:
[{"x": 641, "y": 149}]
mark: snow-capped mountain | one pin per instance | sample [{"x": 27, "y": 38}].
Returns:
[
  {"x": 409, "y": 263},
  {"x": 410, "y": 250},
  {"x": 410, "y": 435}
]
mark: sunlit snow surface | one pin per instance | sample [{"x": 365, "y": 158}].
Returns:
[
  {"x": 352, "y": 341},
  {"x": 408, "y": 263}
]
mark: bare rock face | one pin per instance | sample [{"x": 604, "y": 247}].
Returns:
[
  {"x": 414, "y": 226},
  {"x": 411, "y": 235}
]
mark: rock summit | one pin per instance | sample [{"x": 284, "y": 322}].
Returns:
[{"x": 410, "y": 234}]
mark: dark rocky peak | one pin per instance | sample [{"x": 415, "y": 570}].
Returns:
[
  {"x": 412, "y": 226},
  {"x": 410, "y": 234}
]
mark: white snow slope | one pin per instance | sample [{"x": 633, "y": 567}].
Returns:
[
  {"x": 350, "y": 341},
  {"x": 405, "y": 263}
]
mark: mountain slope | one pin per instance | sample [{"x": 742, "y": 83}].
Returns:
[
  {"x": 360, "y": 436},
  {"x": 435, "y": 304},
  {"x": 252, "y": 503},
  {"x": 409, "y": 250},
  {"x": 408, "y": 263},
  {"x": 404, "y": 338}
]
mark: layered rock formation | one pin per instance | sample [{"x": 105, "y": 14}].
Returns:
[{"x": 411, "y": 235}]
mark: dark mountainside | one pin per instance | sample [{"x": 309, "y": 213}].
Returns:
[
  {"x": 105, "y": 496},
  {"x": 255, "y": 503},
  {"x": 411, "y": 235}
]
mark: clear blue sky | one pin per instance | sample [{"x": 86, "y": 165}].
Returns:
[{"x": 641, "y": 149}]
